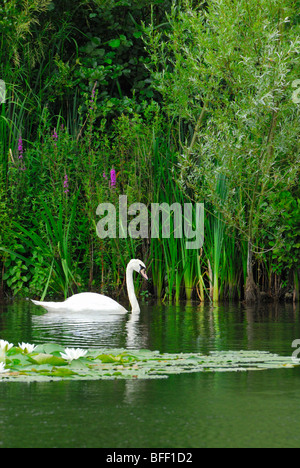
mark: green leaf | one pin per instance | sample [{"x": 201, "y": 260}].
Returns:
[
  {"x": 137, "y": 34},
  {"x": 145, "y": 364},
  {"x": 108, "y": 358},
  {"x": 47, "y": 359},
  {"x": 62, "y": 372},
  {"x": 115, "y": 43}
]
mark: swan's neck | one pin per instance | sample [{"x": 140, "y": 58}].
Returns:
[{"x": 130, "y": 289}]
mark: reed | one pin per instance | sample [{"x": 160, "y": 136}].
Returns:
[
  {"x": 56, "y": 244},
  {"x": 165, "y": 253}
]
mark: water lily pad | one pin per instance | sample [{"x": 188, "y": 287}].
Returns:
[
  {"x": 46, "y": 364},
  {"x": 43, "y": 358}
]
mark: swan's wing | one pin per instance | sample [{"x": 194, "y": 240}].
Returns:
[
  {"x": 85, "y": 302},
  {"x": 93, "y": 301}
]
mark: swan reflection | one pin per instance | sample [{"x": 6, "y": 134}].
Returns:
[
  {"x": 136, "y": 333},
  {"x": 85, "y": 329},
  {"x": 89, "y": 329}
]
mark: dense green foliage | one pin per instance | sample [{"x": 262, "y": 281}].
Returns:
[{"x": 183, "y": 101}]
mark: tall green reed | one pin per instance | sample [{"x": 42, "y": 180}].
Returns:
[
  {"x": 56, "y": 244},
  {"x": 214, "y": 244},
  {"x": 175, "y": 267}
]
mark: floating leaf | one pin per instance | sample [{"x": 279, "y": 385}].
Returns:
[
  {"x": 47, "y": 359},
  {"x": 137, "y": 364},
  {"x": 108, "y": 358},
  {"x": 62, "y": 373}
]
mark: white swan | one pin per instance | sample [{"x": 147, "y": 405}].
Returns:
[{"x": 84, "y": 302}]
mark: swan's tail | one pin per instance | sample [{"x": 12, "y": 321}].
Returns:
[{"x": 48, "y": 305}]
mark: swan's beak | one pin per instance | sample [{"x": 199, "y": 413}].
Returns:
[{"x": 143, "y": 273}]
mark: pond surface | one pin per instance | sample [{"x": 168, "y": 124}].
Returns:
[{"x": 247, "y": 409}]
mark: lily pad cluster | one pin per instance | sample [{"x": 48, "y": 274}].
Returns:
[{"x": 50, "y": 362}]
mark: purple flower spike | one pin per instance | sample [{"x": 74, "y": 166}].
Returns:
[
  {"x": 66, "y": 184},
  {"x": 20, "y": 147},
  {"x": 55, "y": 136},
  {"x": 113, "y": 179}
]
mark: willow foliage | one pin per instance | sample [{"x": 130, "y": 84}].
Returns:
[{"x": 226, "y": 71}]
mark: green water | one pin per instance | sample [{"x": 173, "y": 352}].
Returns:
[{"x": 252, "y": 409}]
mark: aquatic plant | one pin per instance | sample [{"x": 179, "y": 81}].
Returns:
[
  {"x": 46, "y": 363},
  {"x": 27, "y": 347},
  {"x": 72, "y": 354},
  {"x": 2, "y": 368},
  {"x": 5, "y": 345}
]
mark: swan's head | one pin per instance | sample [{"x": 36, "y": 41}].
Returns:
[{"x": 138, "y": 266}]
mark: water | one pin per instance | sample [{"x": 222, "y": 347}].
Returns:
[{"x": 253, "y": 409}]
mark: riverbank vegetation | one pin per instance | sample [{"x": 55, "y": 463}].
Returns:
[{"x": 175, "y": 102}]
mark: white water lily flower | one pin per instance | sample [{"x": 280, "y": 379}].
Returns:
[
  {"x": 73, "y": 354},
  {"x": 27, "y": 348},
  {"x": 5, "y": 345},
  {"x": 2, "y": 368}
]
